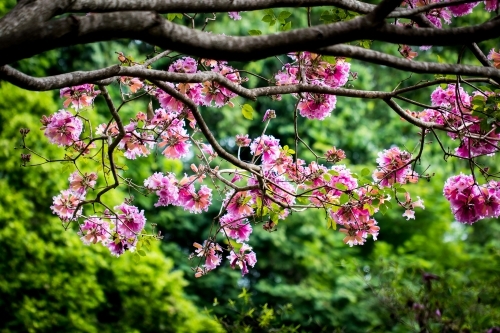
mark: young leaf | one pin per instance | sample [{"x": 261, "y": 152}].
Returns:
[
  {"x": 254, "y": 32},
  {"x": 247, "y": 111}
]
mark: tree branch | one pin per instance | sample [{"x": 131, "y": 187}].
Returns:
[{"x": 154, "y": 29}]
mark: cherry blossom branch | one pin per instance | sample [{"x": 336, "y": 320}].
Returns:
[{"x": 204, "y": 128}]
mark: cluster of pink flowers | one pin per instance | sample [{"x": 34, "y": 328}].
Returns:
[
  {"x": 317, "y": 72},
  {"x": 393, "y": 167},
  {"x": 79, "y": 183},
  {"x": 179, "y": 193},
  {"x": 471, "y": 202},
  {"x": 79, "y": 96},
  {"x": 136, "y": 144},
  {"x": 283, "y": 176},
  {"x": 243, "y": 258},
  {"x": 62, "y": 128},
  {"x": 456, "y": 110},
  {"x": 200, "y": 94},
  {"x": 211, "y": 252},
  {"x": 118, "y": 233},
  {"x": 66, "y": 203}
]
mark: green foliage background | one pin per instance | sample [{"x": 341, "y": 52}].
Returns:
[{"x": 306, "y": 279}]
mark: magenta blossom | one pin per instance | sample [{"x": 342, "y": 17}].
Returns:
[
  {"x": 236, "y": 228},
  {"x": 393, "y": 167},
  {"x": 243, "y": 259},
  {"x": 209, "y": 250},
  {"x": 94, "y": 230},
  {"x": 130, "y": 221},
  {"x": 62, "y": 128}
]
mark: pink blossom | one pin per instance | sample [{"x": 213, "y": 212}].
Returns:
[
  {"x": 287, "y": 76},
  {"x": 64, "y": 205},
  {"x": 317, "y": 106},
  {"x": 237, "y": 228},
  {"x": 133, "y": 83},
  {"x": 495, "y": 57},
  {"x": 471, "y": 147},
  {"x": 409, "y": 214},
  {"x": 243, "y": 259},
  {"x": 234, "y": 15},
  {"x": 118, "y": 244},
  {"x": 136, "y": 144},
  {"x": 79, "y": 183},
  {"x": 239, "y": 204},
  {"x": 94, "y": 230},
  {"x": 62, "y": 128},
  {"x": 176, "y": 143},
  {"x": 130, "y": 221},
  {"x": 83, "y": 147},
  {"x": 220, "y": 95},
  {"x": 393, "y": 167},
  {"x": 491, "y": 5},
  {"x": 463, "y": 9},
  {"x": 80, "y": 96},
  {"x": 209, "y": 251},
  {"x": 338, "y": 76},
  {"x": 357, "y": 233},
  {"x": 208, "y": 150},
  {"x": 165, "y": 187},
  {"x": 270, "y": 114},
  {"x": 196, "y": 202},
  {"x": 407, "y": 52},
  {"x": 335, "y": 155},
  {"x": 266, "y": 145},
  {"x": 184, "y": 65},
  {"x": 466, "y": 198},
  {"x": 448, "y": 98},
  {"x": 243, "y": 140}
]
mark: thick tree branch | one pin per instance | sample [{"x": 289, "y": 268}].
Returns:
[
  {"x": 214, "y": 6},
  {"x": 154, "y": 29},
  {"x": 76, "y": 78},
  {"x": 380, "y": 58}
]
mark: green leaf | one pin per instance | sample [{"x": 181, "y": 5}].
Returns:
[
  {"x": 173, "y": 16},
  {"x": 365, "y": 172},
  {"x": 274, "y": 217},
  {"x": 284, "y": 15},
  {"x": 330, "y": 223},
  {"x": 333, "y": 172},
  {"x": 141, "y": 253},
  {"x": 369, "y": 208},
  {"x": 329, "y": 59},
  {"x": 255, "y": 32},
  {"x": 343, "y": 198},
  {"x": 341, "y": 186},
  {"x": 247, "y": 111},
  {"x": 484, "y": 88},
  {"x": 267, "y": 18},
  {"x": 287, "y": 26}
]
